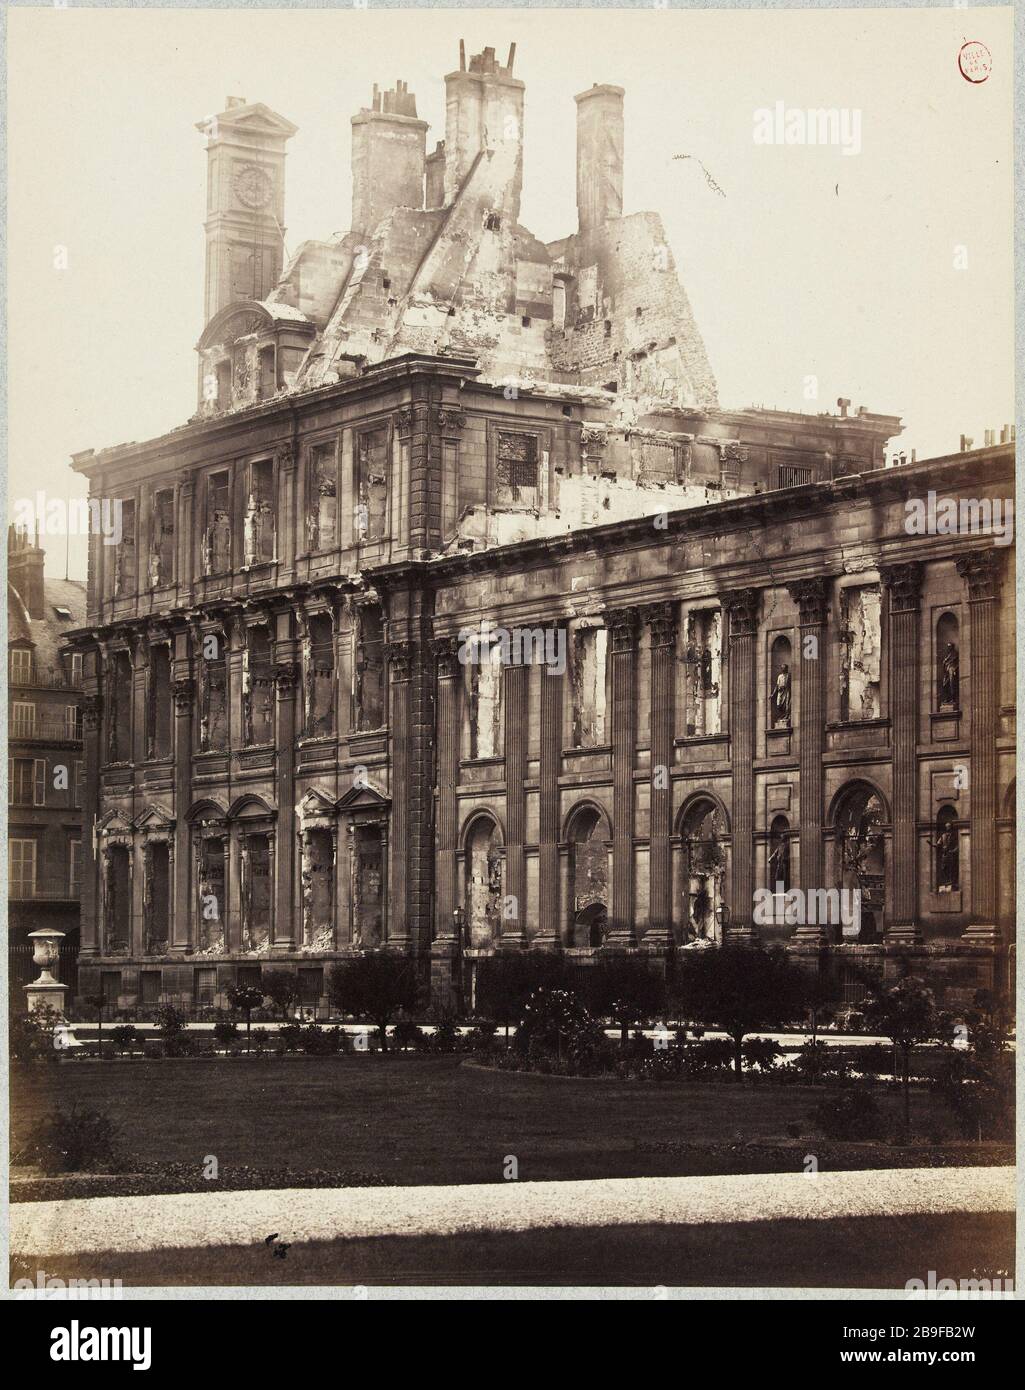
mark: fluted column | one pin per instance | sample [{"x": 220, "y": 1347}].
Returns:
[
  {"x": 400, "y": 658},
  {"x": 286, "y": 680},
  {"x": 742, "y": 607},
  {"x": 448, "y": 733},
  {"x": 182, "y": 902},
  {"x": 517, "y": 697},
  {"x": 904, "y": 583},
  {"x": 661, "y": 618},
  {"x": 980, "y": 570},
  {"x": 92, "y": 732},
  {"x": 812, "y": 599},
  {"x": 623, "y": 634},
  {"x": 552, "y": 685}
]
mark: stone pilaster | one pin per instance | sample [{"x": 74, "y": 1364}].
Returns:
[
  {"x": 91, "y": 706},
  {"x": 517, "y": 714},
  {"x": 623, "y": 644},
  {"x": 180, "y": 936},
  {"x": 185, "y": 537},
  {"x": 400, "y": 661},
  {"x": 444, "y": 948},
  {"x": 742, "y": 607},
  {"x": 661, "y": 618},
  {"x": 286, "y": 680},
  {"x": 285, "y": 522},
  {"x": 980, "y": 570},
  {"x": 904, "y": 583},
  {"x": 812, "y": 599},
  {"x": 552, "y": 685}
]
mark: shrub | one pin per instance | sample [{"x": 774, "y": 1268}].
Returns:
[
  {"x": 482, "y": 1038},
  {"x": 815, "y": 1061},
  {"x": 374, "y": 987},
  {"x": 761, "y": 1053},
  {"x": 318, "y": 1041},
  {"x": 407, "y": 1034},
  {"x": 282, "y": 989},
  {"x": 225, "y": 1032},
  {"x": 446, "y": 1036},
  {"x": 709, "y": 1055},
  {"x": 851, "y": 1113},
  {"x": 32, "y": 1035},
  {"x": 74, "y": 1140},
  {"x": 125, "y": 1037},
  {"x": 290, "y": 1036}
]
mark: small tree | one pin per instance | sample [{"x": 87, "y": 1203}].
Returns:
[
  {"x": 99, "y": 1003},
  {"x": 740, "y": 989},
  {"x": 246, "y": 998},
  {"x": 282, "y": 989},
  {"x": 374, "y": 987},
  {"x": 626, "y": 990},
  {"x": 906, "y": 1014},
  {"x": 506, "y": 981}
]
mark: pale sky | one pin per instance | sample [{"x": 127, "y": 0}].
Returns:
[{"x": 814, "y": 263}]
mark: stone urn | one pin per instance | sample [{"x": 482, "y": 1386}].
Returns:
[{"x": 46, "y": 990}]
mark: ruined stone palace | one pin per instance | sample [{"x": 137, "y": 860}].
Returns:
[{"x": 461, "y": 617}]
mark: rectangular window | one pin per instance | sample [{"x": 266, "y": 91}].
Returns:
[
  {"x": 213, "y": 704},
  {"x": 110, "y": 987},
  {"x": 860, "y": 653},
  {"x": 321, "y": 498},
  {"x": 119, "y": 701},
  {"x": 74, "y": 867},
  {"x": 161, "y": 558},
  {"x": 38, "y": 781},
  {"x": 703, "y": 666},
  {"x": 590, "y": 647},
  {"x": 311, "y": 985},
  {"x": 249, "y": 977},
  {"x": 72, "y": 722},
  {"x": 159, "y": 707},
  {"x": 149, "y": 987},
  {"x": 517, "y": 473},
  {"x": 372, "y": 485},
  {"x": 125, "y": 562},
  {"x": 257, "y": 688},
  {"x": 217, "y": 537},
  {"x": 485, "y": 677},
  {"x": 74, "y": 670},
  {"x": 368, "y": 669},
  {"x": 21, "y": 868},
  {"x": 268, "y": 373},
  {"x": 792, "y": 475},
  {"x": 319, "y": 676},
  {"x": 205, "y": 987},
  {"x": 21, "y": 666},
  {"x": 259, "y": 519},
  {"x": 23, "y": 719},
  {"x": 21, "y": 781}
]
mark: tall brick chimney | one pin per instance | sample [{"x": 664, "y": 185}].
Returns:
[
  {"x": 389, "y": 145},
  {"x": 599, "y": 156},
  {"x": 484, "y": 110},
  {"x": 25, "y": 569}
]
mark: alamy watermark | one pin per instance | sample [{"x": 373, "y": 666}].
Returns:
[
  {"x": 795, "y": 907},
  {"x": 780, "y": 124},
  {"x": 517, "y": 646},
  {"x": 70, "y": 516},
  {"x": 962, "y": 516}
]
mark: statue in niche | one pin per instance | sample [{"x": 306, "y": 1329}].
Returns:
[
  {"x": 950, "y": 679},
  {"x": 947, "y": 858},
  {"x": 781, "y": 698},
  {"x": 779, "y": 861}
]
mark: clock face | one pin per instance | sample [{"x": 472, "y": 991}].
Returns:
[{"x": 253, "y": 186}]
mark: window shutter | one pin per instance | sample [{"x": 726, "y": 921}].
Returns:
[{"x": 39, "y": 782}]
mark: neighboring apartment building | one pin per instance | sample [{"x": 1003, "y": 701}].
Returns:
[
  {"x": 436, "y": 425},
  {"x": 45, "y": 783}
]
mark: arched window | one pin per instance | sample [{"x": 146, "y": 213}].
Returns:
[
  {"x": 948, "y": 662},
  {"x": 779, "y": 855},
  {"x": 589, "y": 878},
  {"x": 946, "y": 852},
  {"x": 780, "y": 684},
  {"x": 704, "y": 868}
]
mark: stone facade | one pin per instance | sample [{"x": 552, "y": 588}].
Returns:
[{"x": 481, "y": 625}]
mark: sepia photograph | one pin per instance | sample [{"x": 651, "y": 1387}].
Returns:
[{"x": 511, "y": 669}]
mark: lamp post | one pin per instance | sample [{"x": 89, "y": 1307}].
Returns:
[
  {"x": 46, "y": 991},
  {"x": 457, "y": 931}
]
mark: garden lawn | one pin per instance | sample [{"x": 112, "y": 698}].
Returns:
[{"x": 413, "y": 1119}]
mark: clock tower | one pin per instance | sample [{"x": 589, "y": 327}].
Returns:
[{"x": 245, "y": 202}]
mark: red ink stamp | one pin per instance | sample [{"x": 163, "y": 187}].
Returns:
[{"x": 975, "y": 61}]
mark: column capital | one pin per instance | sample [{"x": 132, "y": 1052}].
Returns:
[
  {"x": 286, "y": 678},
  {"x": 980, "y": 570},
  {"x": 742, "y": 607},
  {"x": 812, "y": 599},
  {"x": 446, "y": 653},
  {"x": 661, "y": 618},
  {"x": 904, "y": 582},
  {"x": 184, "y": 690},
  {"x": 400, "y": 657},
  {"x": 622, "y": 625},
  {"x": 92, "y": 711}
]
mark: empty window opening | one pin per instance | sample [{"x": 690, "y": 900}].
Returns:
[
  {"x": 485, "y": 698},
  {"x": 367, "y": 886},
  {"x": 255, "y": 884},
  {"x": 517, "y": 471},
  {"x": 117, "y": 900},
  {"x": 257, "y": 688},
  {"x": 372, "y": 485},
  {"x": 368, "y": 668},
  {"x": 318, "y": 888},
  {"x": 159, "y": 706},
  {"x": 319, "y": 675},
  {"x": 704, "y": 673},
  {"x": 217, "y": 534},
  {"x": 590, "y": 648},
  {"x": 322, "y": 495},
  {"x": 259, "y": 519},
  {"x": 156, "y": 901},
  {"x": 119, "y": 703},
  {"x": 162, "y": 536},
  {"x": 213, "y": 693},
  {"x": 210, "y": 881},
  {"x": 861, "y": 647},
  {"x": 125, "y": 562}
]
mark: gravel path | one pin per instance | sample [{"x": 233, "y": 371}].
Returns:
[{"x": 296, "y": 1214}]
